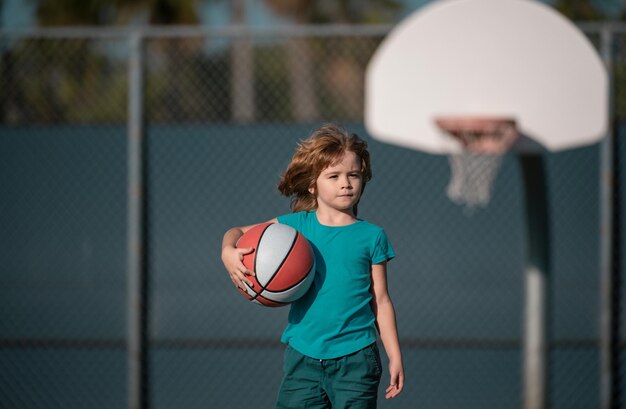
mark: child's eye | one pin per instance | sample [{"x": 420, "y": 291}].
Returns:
[{"x": 333, "y": 176}]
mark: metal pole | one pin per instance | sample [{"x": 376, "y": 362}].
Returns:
[
  {"x": 136, "y": 303},
  {"x": 608, "y": 301},
  {"x": 242, "y": 67},
  {"x": 537, "y": 273}
]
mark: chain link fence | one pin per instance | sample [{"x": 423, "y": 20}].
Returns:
[{"x": 223, "y": 112}]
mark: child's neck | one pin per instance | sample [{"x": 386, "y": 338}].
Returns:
[{"x": 335, "y": 218}]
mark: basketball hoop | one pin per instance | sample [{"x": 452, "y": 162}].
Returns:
[{"x": 484, "y": 142}]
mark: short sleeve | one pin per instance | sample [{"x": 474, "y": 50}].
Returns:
[
  {"x": 383, "y": 251},
  {"x": 290, "y": 219}
]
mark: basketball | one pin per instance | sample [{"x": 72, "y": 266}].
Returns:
[{"x": 283, "y": 261}]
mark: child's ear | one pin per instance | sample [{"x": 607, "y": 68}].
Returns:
[{"x": 312, "y": 189}]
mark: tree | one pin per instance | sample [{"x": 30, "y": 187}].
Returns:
[
  {"x": 579, "y": 10},
  {"x": 106, "y": 12},
  {"x": 76, "y": 64},
  {"x": 336, "y": 11},
  {"x": 301, "y": 56}
]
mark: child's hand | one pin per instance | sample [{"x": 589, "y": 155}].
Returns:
[
  {"x": 232, "y": 258},
  {"x": 396, "y": 380}
]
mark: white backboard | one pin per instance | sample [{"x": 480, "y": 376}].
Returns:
[{"x": 514, "y": 58}]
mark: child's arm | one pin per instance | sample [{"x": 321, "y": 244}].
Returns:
[
  {"x": 386, "y": 323},
  {"x": 232, "y": 256}
]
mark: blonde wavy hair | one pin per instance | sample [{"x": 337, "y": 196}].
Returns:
[{"x": 323, "y": 148}]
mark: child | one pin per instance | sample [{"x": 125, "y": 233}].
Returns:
[{"x": 332, "y": 359}]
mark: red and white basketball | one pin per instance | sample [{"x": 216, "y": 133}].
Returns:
[{"x": 283, "y": 261}]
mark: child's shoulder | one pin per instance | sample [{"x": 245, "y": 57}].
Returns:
[
  {"x": 370, "y": 227},
  {"x": 369, "y": 224},
  {"x": 295, "y": 215}
]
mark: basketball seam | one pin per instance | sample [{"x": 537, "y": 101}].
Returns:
[
  {"x": 272, "y": 302},
  {"x": 295, "y": 284},
  {"x": 258, "y": 293}
]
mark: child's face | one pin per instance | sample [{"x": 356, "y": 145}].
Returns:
[{"x": 339, "y": 186}]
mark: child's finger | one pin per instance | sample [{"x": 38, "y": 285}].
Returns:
[
  {"x": 392, "y": 385},
  {"x": 395, "y": 386},
  {"x": 238, "y": 277},
  {"x": 242, "y": 276},
  {"x": 400, "y": 382},
  {"x": 391, "y": 392},
  {"x": 249, "y": 282},
  {"x": 241, "y": 284},
  {"x": 242, "y": 252}
]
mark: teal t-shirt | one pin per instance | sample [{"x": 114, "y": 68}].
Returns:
[{"x": 334, "y": 318}]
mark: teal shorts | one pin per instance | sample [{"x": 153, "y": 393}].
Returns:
[{"x": 349, "y": 381}]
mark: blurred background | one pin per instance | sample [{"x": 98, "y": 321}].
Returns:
[{"x": 220, "y": 93}]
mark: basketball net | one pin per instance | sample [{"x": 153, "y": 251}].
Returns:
[
  {"x": 471, "y": 178},
  {"x": 474, "y": 170}
]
